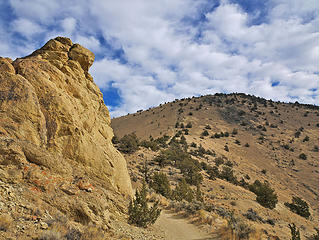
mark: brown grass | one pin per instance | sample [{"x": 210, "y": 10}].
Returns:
[{"x": 5, "y": 222}]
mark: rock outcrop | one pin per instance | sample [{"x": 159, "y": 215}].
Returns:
[{"x": 55, "y": 137}]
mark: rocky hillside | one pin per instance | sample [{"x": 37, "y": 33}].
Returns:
[
  {"x": 233, "y": 140},
  {"x": 59, "y": 172}
]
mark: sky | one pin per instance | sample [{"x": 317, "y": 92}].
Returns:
[{"x": 154, "y": 51}]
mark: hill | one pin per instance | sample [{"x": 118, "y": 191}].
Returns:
[{"x": 247, "y": 138}]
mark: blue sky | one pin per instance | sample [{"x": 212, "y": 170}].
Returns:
[{"x": 150, "y": 52}]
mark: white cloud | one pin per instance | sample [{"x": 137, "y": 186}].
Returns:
[
  {"x": 68, "y": 25},
  {"x": 26, "y": 27},
  {"x": 166, "y": 55}
]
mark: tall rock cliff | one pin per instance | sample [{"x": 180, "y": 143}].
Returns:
[{"x": 55, "y": 138}]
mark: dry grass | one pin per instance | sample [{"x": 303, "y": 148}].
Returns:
[{"x": 5, "y": 222}]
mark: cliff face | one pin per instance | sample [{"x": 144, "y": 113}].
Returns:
[{"x": 54, "y": 125}]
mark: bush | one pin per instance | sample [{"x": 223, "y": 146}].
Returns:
[
  {"x": 297, "y": 134},
  {"x": 171, "y": 156},
  {"x": 299, "y": 207},
  {"x": 226, "y": 148},
  {"x": 149, "y": 144},
  {"x": 218, "y": 161},
  {"x": 128, "y": 143},
  {"x": 228, "y": 174},
  {"x": 189, "y": 125},
  {"x": 235, "y": 131},
  {"x": 303, "y": 156},
  {"x": 295, "y": 233},
  {"x": 139, "y": 212},
  {"x": 183, "y": 192},
  {"x": 213, "y": 173},
  {"x": 192, "y": 176},
  {"x": 115, "y": 140},
  {"x": 205, "y": 133},
  {"x": 306, "y": 139},
  {"x": 266, "y": 196},
  {"x": 160, "y": 184}
]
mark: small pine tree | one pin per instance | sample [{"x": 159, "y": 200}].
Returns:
[
  {"x": 161, "y": 184},
  {"x": 139, "y": 212},
  {"x": 183, "y": 191}
]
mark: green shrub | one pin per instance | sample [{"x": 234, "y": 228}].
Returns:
[
  {"x": 189, "y": 125},
  {"x": 235, "y": 131},
  {"x": 213, "y": 173},
  {"x": 303, "y": 156},
  {"x": 193, "y": 176},
  {"x": 228, "y": 174},
  {"x": 306, "y": 139},
  {"x": 226, "y": 148},
  {"x": 183, "y": 192},
  {"x": 161, "y": 141},
  {"x": 299, "y": 207},
  {"x": 139, "y": 212},
  {"x": 171, "y": 156},
  {"x": 115, "y": 140},
  {"x": 150, "y": 144},
  {"x": 128, "y": 143},
  {"x": 266, "y": 196},
  {"x": 218, "y": 161},
  {"x": 204, "y": 133},
  {"x": 194, "y": 145},
  {"x": 160, "y": 184},
  {"x": 295, "y": 233},
  {"x": 297, "y": 134}
]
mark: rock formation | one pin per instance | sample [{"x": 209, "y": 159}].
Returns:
[{"x": 55, "y": 138}]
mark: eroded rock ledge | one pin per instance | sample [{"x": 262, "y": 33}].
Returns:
[{"x": 53, "y": 120}]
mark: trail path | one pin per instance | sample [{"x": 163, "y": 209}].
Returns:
[{"x": 178, "y": 228}]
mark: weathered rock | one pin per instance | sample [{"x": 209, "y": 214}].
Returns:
[{"x": 52, "y": 115}]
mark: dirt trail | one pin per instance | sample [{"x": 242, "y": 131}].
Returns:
[{"x": 178, "y": 228}]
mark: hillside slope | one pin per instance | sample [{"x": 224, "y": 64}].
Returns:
[{"x": 264, "y": 140}]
